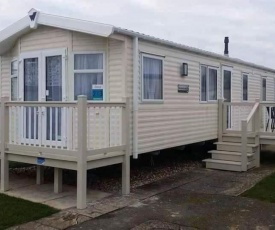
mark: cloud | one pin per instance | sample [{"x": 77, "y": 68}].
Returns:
[{"x": 198, "y": 23}]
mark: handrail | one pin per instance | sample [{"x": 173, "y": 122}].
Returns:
[
  {"x": 267, "y": 103},
  {"x": 253, "y": 111},
  {"x": 41, "y": 103},
  {"x": 239, "y": 103}
]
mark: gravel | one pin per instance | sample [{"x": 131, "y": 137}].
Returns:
[{"x": 148, "y": 168}]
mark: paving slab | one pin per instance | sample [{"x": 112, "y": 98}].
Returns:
[
  {"x": 187, "y": 200},
  {"x": 182, "y": 209},
  {"x": 26, "y": 188}
]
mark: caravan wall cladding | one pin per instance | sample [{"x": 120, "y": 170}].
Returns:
[
  {"x": 167, "y": 119},
  {"x": 185, "y": 118}
]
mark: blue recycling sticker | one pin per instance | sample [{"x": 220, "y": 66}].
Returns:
[{"x": 40, "y": 160}]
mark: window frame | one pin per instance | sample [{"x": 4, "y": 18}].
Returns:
[
  {"x": 90, "y": 71},
  {"x": 262, "y": 78},
  {"x": 247, "y": 74},
  {"x": 208, "y": 67},
  {"x": 15, "y": 59},
  {"x": 142, "y": 78}
]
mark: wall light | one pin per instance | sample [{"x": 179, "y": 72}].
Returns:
[{"x": 184, "y": 71}]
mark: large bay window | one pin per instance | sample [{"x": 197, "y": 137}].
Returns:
[
  {"x": 14, "y": 80},
  {"x": 152, "y": 77},
  {"x": 209, "y": 82},
  {"x": 88, "y": 71}
]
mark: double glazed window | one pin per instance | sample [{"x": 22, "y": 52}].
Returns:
[
  {"x": 14, "y": 80},
  {"x": 88, "y": 71},
  {"x": 245, "y": 87},
  {"x": 152, "y": 78},
  {"x": 209, "y": 81},
  {"x": 263, "y": 89}
]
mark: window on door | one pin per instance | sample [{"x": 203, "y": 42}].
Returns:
[
  {"x": 263, "y": 89},
  {"x": 14, "y": 80},
  {"x": 209, "y": 82},
  {"x": 31, "y": 79},
  {"x": 245, "y": 87},
  {"x": 88, "y": 71}
]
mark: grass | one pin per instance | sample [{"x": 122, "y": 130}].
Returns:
[
  {"x": 14, "y": 211},
  {"x": 264, "y": 190}
]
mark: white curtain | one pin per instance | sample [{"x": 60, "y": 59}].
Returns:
[
  {"x": 83, "y": 82},
  {"x": 203, "y": 83},
  {"x": 212, "y": 84},
  {"x": 88, "y": 61},
  {"x": 152, "y": 78}
]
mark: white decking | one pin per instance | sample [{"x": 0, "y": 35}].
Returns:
[{"x": 90, "y": 135}]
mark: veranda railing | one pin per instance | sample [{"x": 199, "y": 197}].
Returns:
[{"x": 71, "y": 135}]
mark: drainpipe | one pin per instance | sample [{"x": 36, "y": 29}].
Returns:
[{"x": 135, "y": 96}]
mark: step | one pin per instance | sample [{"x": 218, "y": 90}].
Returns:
[
  {"x": 235, "y": 147},
  {"x": 229, "y": 156},
  {"x": 236, "y": 138},
  {"x": 267, "y": 140},
  {"x": 227, "y": 165}
]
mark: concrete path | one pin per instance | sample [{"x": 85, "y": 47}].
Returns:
[
  {"x": 202, "y": 198},
  {"x": 206, "y": 201},
  {"x": 26, "y": 188}
]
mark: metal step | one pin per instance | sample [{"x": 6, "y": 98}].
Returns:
[
  {"x": 229, "y": 156},
  {"x": 234, "y": 147}
]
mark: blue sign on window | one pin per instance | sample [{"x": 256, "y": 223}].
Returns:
[{"x": 97, "y": 93}]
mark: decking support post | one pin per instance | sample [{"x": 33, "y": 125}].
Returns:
[
  {"x": 82, "y": 152},
  {"x": 126, "y": 141},
  {"x": 57, "y": 180},
  {"x": 4, "y": 140},
  {"x": 39, "y": 174},
  {"x": 220, "y": 117},
  {"x": 244, "y": 145}
]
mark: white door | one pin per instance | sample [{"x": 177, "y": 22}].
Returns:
[
  {"x": 42, "y": 76},
  {"x": 227, "y": 75},
  {"x": 53, "y": 90}
]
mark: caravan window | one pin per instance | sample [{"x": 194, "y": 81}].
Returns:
[
  {"x": 208, "y": 85},
  {"x": 263, "y": 89},
  {"x": 14, "y": 80},
  {"x": 88, "y": 71},
  {"x": 245, "y": 87},
  {"x": 152, "y": 70}
]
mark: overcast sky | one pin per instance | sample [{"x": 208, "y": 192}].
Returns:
[{"x": 250, "y": 24}]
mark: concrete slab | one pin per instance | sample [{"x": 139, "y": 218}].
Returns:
[{"x": 25, "y": 187}]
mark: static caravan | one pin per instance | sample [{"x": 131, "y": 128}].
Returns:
[{"x": 79, "y": 95}]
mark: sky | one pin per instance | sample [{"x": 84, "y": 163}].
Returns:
[{"x": 250, "y": 24}]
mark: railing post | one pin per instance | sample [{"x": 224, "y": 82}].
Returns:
[
  {"x": 224, "y": 118},
  {"x": 257, "y": 130},
  {"x": 244, "y": 145},
  {"x": 82, "y": 152},
  {"x": 4, "y": 140},
  {"x": 220, "y": 119},
  {"x": 126, "y": 141}
]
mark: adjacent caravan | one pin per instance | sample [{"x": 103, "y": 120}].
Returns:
[{"x": 80, "y": 95}]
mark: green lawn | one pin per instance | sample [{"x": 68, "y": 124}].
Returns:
[
  {"x": 14, "y": 211},
  {"x": 264, "y": 190}
]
